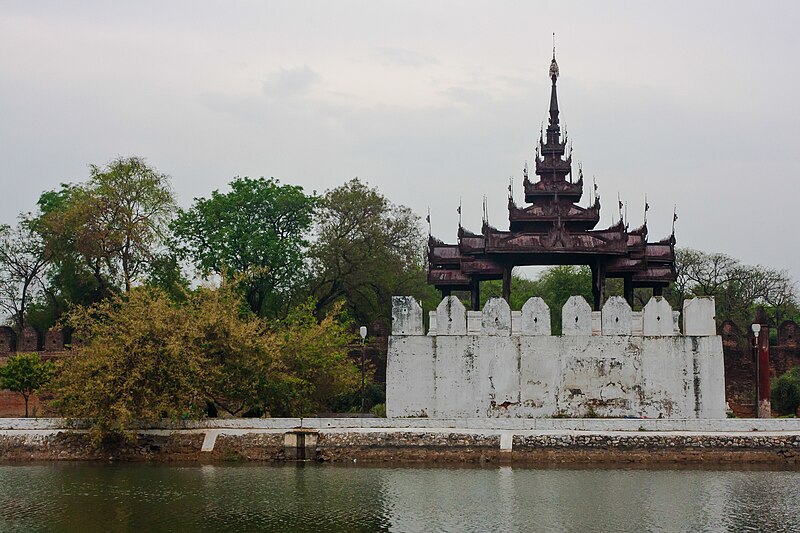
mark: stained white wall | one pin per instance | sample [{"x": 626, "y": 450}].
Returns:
[{"x": 509, "y": 368}]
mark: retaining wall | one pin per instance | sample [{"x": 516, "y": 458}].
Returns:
[{"x": 451, "y": 440}]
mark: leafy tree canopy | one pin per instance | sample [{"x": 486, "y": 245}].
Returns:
[
  {"x": 367, "y": 249},
  {"x": 785, "y": 392},
  {"x": 256, "y": 233},
  {"x": 103, "y": 235},
  {"x": 314, "y": 363}
]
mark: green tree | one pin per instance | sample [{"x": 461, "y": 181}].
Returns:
[
  {"x": 23, "y": 260},
  {"x": 70, "y": 279},
  {"x": 256, "y": 233},
  {"x": 25, "y": 374},
  {"x": 367, "y": 250},
  {"x": 113, "y": 224}
]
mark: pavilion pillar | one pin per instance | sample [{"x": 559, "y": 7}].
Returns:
[
  {"x": 507, "y": 283},
  {"x": 628, "y": 289},
  {"x": 598, "y": 284},
  {"x": 476, "y": 294}
]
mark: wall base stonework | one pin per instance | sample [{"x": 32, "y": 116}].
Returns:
[{"x": 720, "y": 441}]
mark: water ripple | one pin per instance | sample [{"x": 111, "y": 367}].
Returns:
[{"x": 309, "y": 497}]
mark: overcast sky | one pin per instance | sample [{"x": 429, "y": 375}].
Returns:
[{"x": 691, "y": 103}]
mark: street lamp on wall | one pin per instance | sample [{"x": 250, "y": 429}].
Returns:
[
  {"x": 756, "y": 330},
  {"x": 363, "y": 332}
]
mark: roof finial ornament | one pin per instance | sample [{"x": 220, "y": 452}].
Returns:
[
  {"x": 553, "y": 64},
  {"x": 674, "y": 220},
  {"x": 428, "y": 219}
]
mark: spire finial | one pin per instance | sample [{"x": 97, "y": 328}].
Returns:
[
  {"x": 428, "y": 219},
  {"x": 553, "y": 63},
  {"x": 674, "y": 219}
]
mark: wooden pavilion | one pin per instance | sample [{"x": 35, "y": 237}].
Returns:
[{"x": 552, "y": 230}]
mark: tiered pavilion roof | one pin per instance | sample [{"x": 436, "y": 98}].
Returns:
[{"x": 552, "y": 230}]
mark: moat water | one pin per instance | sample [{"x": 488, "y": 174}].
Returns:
[{"x": 310, "y": 497}]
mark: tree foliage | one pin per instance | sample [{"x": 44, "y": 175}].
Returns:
[
  {"x": 111, "y": 225},
  {"x": 367, "y": 250},
  {"x": 25, "y": 374},
  {"x": 229, "y": 340},
  {"x": 256, "y": 233},
  {"x": 521, "y": 290}
]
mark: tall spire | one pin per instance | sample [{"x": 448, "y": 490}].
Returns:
[{"x": 553, "y": 129}]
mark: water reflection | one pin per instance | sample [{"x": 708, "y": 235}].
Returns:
[{"x": 309, "y": 497}]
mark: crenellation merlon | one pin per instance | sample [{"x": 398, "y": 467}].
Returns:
[{"x": 657, "y": 318}]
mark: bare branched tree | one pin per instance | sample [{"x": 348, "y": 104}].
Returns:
[
  {"x": 23, "y": 260},
  {"x": 738, "y": 288}
]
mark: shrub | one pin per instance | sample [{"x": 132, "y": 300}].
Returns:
[{"x": 785, "y": 392}]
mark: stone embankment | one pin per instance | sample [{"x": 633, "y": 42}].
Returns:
[{"x": 527, "y": 441}]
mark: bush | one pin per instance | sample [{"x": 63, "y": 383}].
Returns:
[
  {"x": 374, "y": 394},
  {"x": 148, "y": 357},
  {"x": 785, "y": 392},
  {"x": 379, "y": 410}
]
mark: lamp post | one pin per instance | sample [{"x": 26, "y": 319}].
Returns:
[
  {"x": 363, "y": 332},
  {"x": 756, "y": 330}
]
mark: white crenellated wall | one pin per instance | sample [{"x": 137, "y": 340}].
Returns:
[{"x": 499, "y": 363}]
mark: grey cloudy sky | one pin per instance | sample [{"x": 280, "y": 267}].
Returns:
[{"x": 692, "y": 103}]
